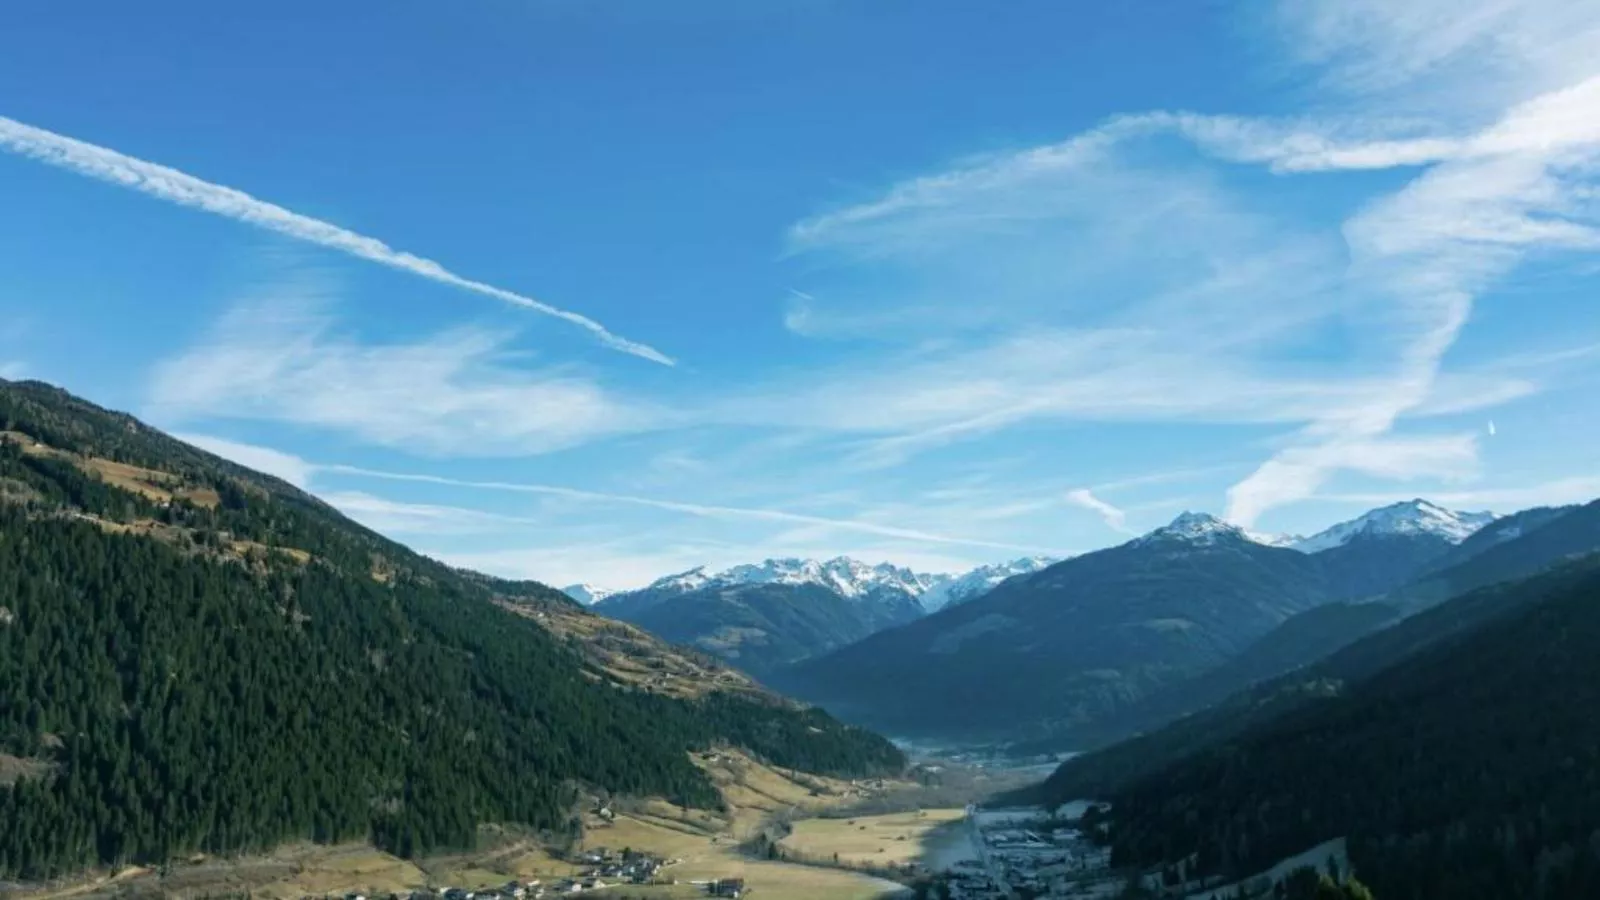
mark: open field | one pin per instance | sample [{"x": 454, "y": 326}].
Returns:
[
  {"x": 706, "y": 845},
  {"x": 893, "y": 839}
]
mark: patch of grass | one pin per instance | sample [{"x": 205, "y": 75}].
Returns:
[{"x": 893, "y": 839}]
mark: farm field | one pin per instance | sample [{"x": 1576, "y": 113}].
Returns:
[{"x": 897, "y": 838}]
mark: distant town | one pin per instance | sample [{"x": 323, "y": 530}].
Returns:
[{"x": 607, "y": 869}]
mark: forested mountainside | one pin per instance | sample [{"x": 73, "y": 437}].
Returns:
[
  {"x": 1305, "y": 638},
  {"x": 1371, "y": 564},
  {"x": 760, "y": 627},
  {"x": 1468, "y": 768},
  {"x": 194, "y": 656},
  {"x": 1115, "y": 766},
  {"x": 1071, "y": 643}
]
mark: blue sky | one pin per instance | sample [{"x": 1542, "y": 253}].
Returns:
[{"x": 604, "y": 290}]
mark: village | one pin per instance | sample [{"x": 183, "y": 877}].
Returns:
[
  {"x": 1030, "y": 852},
  {"x": 605, "y": 869}
]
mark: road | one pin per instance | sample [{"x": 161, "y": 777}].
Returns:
[{"x": 990, "y": 864}]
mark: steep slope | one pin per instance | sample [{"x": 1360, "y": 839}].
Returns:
[
  {"x": 194, "y": 656},
  {"x": 759, "y": 627},
  {"x": 1386, "y": 559},
  {"x": 1365, "y": 647},
  {"x": 1470, "y": 768},
  {"x": 1506, "y": 528},
  {"x": 1071, "y": 643},
  {"x": 1371, "y": 564}
]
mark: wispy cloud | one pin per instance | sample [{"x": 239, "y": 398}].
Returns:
[
  {"x": 692, "y": 509},
  {"x": 177, "y": 187},
  {"x": 1080, "y": 281},
  {"x": 1503, "y": 498},
  {"x": 286, "y": 466},
  {"x": 394, "y": 517},
  {"x": 1115, "y": 518},
  {"x": 1432, "y": 248},
  {"x": 282, "y": 359},
  {"x": 1175, "y": 287}
]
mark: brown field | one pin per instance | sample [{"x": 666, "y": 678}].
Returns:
[
  {"x": 149, "y": 483},
  {"x": 893, "y": 839},
  {"x": 14, "y": 767},
  {"x": 633, "y": 658},
  {"x": 707, "y": 844}
]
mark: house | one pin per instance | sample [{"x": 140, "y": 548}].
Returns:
[{"x": 728, "y": 887}]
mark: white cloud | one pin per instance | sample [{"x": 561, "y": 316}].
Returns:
[
  {"x": 641, "y": 559},
  {"x": 286, "y": 466},
  {"x": 177, "y": 187},
  {"x": 617, "y": 566},
  {"x": 392, "y": 517},
  {"x": 1428, "y": 55},
  {"x": 1555, "y": 492},
  {"x": 1297, "y": 473},
  {"x": 280, "y": 360},
  {"x": 710, "y": 511},
  {"x": 1077, "y": 228},
  {"x": 1430, "y": 249},
  {"x": 1115, "y": 518},
  {"x": 1090, "y": 287}
]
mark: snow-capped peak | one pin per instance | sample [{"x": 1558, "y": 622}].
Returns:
[
  {"x": 1413, "y": 517},
  {"x": 1194, "y": 528},
  {"x": 587, "y": 594},
  {"x": 843, "y": 575},
  {"x": 950, "y": 589},
  {"x": 853, "y": 578}
]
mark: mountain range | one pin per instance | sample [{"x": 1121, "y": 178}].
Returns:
[
  {"x": 1452, "y": 752},
  {"x": 1063, "y": 650},
  {"x": 844, "y": 576},
  {"x": 764, "y": 616}
]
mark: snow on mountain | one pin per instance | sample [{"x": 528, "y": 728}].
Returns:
[
  {"x": 951, "y": 589},
  {"x": 1195, "y": 528},
  {"x": 853, "y": 578},
  {"x": 1287, "y": 541},
  {"x": 587, "y": 594},
  {"x": 843, "y": 575},
  {"x": 1413, "y": 517}
]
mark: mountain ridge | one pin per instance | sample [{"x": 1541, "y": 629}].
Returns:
[
  {"x": 183, "y": 636},
  {"x": 1177, "y": 601}
]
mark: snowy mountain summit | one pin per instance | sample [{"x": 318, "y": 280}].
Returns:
[
  {"x": 853, "y": 579},
  {"x": 1413, "y": 517},
  {"x": 950, "y": 589},
  {"x": 1200, "y": 529},
  {"x": 587, "y": 594},
  {"x": 842, "y": 575}
]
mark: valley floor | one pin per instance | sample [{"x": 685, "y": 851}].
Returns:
[{"x": 701, "y": 847}]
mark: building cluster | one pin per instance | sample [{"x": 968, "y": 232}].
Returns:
[
  {"x": 1030, "y": 854},
  {"x": 605, "y": 869}
]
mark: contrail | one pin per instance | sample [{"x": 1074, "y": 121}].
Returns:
[
  {"x": 693, "y": 509},
  {"x": 186, "y": 190}
]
